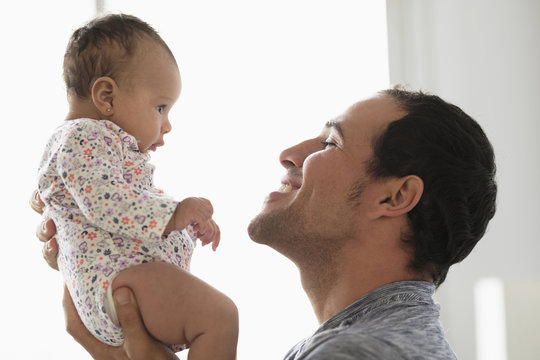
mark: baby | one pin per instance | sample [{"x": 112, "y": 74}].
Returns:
[{"x": 114, "y": 228}]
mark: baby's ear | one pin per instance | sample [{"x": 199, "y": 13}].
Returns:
[{"x": 103, "y": 93}]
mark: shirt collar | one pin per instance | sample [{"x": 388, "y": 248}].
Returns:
[{"x": 397, "y": 292}]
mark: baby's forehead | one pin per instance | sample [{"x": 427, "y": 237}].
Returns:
[
  {"x": 151, "y": 66},
  {"x": 148, "y": 47},
  {"x": 141, "y": 51}
]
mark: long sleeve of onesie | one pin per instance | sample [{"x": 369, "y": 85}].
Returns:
[{"x": 104, "y": 174}]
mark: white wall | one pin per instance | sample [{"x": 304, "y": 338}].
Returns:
[
  {"x": 483, "y": 55},
  {"x": 258, "y": 76}
]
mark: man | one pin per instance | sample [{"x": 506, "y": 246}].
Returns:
[{"x": 373, "y": 212}]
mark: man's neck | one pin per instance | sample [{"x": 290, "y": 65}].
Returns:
[{"x": 332, "y": 289}]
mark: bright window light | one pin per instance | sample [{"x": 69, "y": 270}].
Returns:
[
  {"x": 490, "y": 319},
  {"x": 258, "y": 76}
]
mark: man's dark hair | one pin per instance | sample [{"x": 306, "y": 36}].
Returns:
[
  {"x": 103, "y": 47},
  {"x": 450, "y": 152}
]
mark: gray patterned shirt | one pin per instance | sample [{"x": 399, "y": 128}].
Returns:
[{"x": 396, "y": 321}]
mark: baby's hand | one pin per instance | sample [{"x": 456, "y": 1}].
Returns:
[
  {"x": 198, "y": 212},
  {"x": 208, "y": 233}
]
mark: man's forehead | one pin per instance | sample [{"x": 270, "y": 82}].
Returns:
[{"x": 367, "y": 116}]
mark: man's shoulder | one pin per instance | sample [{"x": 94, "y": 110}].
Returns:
[
  {"x": 345, "y": 346},
  {"x": 352, "y": 345},
  {"x": 396, "y": 321},
  {"x": 375, "y": 338}
]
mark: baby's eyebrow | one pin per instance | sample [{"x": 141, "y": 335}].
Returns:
[{"x": 334, "y": 124}]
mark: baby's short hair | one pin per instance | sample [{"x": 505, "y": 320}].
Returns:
[{"x": 103, "y": 47}]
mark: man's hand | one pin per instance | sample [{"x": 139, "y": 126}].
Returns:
[
  {"x": 92, "y": 345},
  {"x": 45, "y": 232},
  {"x": 138, "y": 344}
]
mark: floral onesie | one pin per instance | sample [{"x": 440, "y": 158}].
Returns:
[{"x": 98, "y": 188}]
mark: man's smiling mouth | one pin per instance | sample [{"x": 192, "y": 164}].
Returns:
[
  {"x": 285, "y": 188},
  {"x": 291, "y": 181}
]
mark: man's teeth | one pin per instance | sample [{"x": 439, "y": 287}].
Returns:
[{"x": 285, "y": 188}]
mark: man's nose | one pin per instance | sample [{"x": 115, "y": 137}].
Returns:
[{"x": 297, "y": 154}]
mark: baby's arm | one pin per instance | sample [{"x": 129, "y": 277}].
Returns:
[
  {"x": 196, "y": 211},
  {"x": 91, "y": 160},
  {"x": 179, "y": 308}
]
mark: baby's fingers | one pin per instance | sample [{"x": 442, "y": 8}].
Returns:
[
  {"x": 209, "y": 232},
  {"x": 217, "y": 236}
]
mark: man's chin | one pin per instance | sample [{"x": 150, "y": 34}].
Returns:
[
  {"x": 267, "y": 226},
  {"x": 274, "y": 226},
  {"x": 255, "y": 230}
]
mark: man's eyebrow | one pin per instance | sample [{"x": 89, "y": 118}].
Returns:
[{"x": 334, "y": 124}]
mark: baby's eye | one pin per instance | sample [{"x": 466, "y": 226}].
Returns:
[{"x": 160, "y": 108}]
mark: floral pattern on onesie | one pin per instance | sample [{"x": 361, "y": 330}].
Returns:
[{"x": 98, "y": 188}]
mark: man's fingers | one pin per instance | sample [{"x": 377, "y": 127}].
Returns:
[
  {"x": 46, "y": 230},
  {"x": 35, "y": 202},
  {"x": 50, "y": 253}
]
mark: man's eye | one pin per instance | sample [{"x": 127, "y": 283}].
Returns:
[
  {"x": 160, "y": 108},
  {"x": 326, "y": 144}
]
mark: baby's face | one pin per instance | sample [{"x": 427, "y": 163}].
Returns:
[{"x": 150, "y": 87}]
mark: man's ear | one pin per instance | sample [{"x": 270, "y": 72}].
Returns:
[
  {"x": 398, "y": 196},
  {"x": 104, "y": 91}
]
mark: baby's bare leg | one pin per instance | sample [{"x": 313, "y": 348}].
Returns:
[{"x": 179, "y": 308}]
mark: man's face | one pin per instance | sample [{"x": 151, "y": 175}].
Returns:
[{"x": 312, "y": 213}]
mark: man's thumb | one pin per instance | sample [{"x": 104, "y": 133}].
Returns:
[
  {"x": 122, "y": 296},
  {"x": 127, "y": 311}
]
